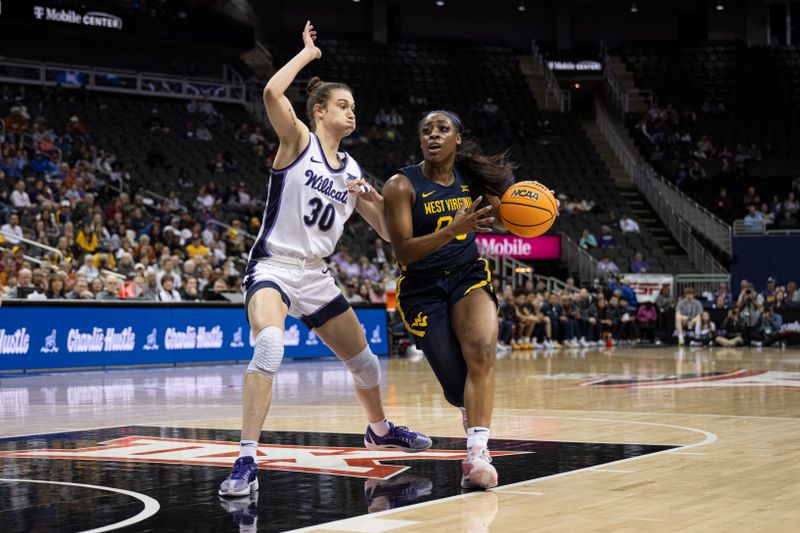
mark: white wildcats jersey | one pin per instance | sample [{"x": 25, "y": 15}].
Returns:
[{"x": 307, "y": 206}]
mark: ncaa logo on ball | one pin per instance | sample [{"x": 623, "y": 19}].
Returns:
[{"x": 525, "y": 194}]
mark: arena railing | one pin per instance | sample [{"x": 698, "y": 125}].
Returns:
[
  {"x": 46, "y": 248},
  {"x": 121, "y": 81},
  {"x": 30, "y": 143},
  {"x": 649, "y": 182},
  {"x": 742, "y": 228},
  {"x": 580, "y": 261},
  {"x": 511, "y": 270},
  {"x": 229, "y": 227},
  {"x": 562, "y": 97},
  {"x": 701, "y": 283}
]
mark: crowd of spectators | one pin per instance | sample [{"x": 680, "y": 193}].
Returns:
[
  {"x": 610, "y": 314},
  {"x": 779, "y": 212},
  {"x": 668, "y": 130}
]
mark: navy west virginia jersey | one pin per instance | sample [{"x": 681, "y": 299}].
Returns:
[{"x": 434, "y": 208}]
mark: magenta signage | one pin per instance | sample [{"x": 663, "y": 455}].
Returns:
[{"x": 544, "y": 247}]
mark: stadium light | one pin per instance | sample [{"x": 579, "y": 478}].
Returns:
[
  {"x": 521, "y": 6},
  {"x": 440, "y": 3},
  {"x": 720, "y": 6},
  {"x": 634, "y": 9}
]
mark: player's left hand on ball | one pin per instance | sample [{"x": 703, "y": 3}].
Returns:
[{"x": 364, "y": 190}]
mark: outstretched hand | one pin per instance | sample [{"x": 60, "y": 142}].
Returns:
[
  {"x": 309, "y": 36},
  {"x": 364, "y": 190},
  {"x": 470, "y": 219}
]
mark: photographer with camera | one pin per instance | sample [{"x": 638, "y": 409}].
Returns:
[
  {"x": 733, "y": 329},
  {"x": 750, "y": 311}
]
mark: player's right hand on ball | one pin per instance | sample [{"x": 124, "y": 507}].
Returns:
[{"x": 472, "y": 220}]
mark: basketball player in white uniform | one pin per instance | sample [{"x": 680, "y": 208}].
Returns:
[{"x": 313, "y": 189}]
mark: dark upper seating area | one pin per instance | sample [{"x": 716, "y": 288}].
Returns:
[
  {"x": 410, "y": 78},
  {"x": 742, "y": 103}
]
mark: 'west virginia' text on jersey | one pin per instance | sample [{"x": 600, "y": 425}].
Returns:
[{"x": 434, "y": 208}]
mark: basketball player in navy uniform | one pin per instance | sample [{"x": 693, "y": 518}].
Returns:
[
  {"x": 444, "y": 293},
  {"x": 313, "y": 189}
]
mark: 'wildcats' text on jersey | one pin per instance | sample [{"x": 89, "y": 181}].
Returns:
[{"x": 307, "y": 206}]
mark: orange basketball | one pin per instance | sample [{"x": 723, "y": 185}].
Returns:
[{"x": 528, "y": 209}]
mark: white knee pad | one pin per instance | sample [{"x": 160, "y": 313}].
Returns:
[
  {"x": 365, "y": 369},
  {"x": 268, "y": 352}
]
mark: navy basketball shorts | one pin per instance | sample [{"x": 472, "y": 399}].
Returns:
[{"x": 424, "y": 302}]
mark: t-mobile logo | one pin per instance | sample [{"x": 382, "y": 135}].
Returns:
[{"x": 38, "y": 12}]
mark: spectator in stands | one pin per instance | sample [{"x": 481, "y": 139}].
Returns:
[
  {"x": 607, "y": 266},
  {"x": 378, "y": 253},
  {"x": 110, "y": 290},
  {"x": 749, "y": 308},
  {"x": 80, "y": 290},
  {"x": 780, "y": 304},
  {"x": 86, "y": 239},
  {"x": 791, "y": 205},
  {"x": 205, "y": 200},
  {"x": 792, "y": 294},
  {"x": 697, "y": 172},
  {"x": 767, "y": 296},
  {"x": 686, "y": 312},
  {"x": 613, "y": 315},
  {"x": 587, "y": 240},
  {"x": 150, "y": 291},
  {"x": 768, "y": 331},
  {"x": 628, "y": 225},
  {"x": 97, "y": 286},
  {"x": 202, "y": 133},
  {"x": 705, "y": 331},
  {"x": 626, "y": 324},
  {"x": 507, "y": 320},
  {"x": 766, "y": 216},
  {"x": 88, "y": 269},
  {"x": 168, "y": 293},
  {"x": 189, "y": 292},
  {"x": 11, "y": 232},
  {"x": 19, "y": 197},
  {"x": 787, "y": 221},
  {"x": 24, "y": 284},
  {"x": 568, "y": 322},
  {"x": 639, "y": 265},
  {"x": 351, "y": 291},
  {"x": 751, "y": 198},
  {"x": 75, "y": 129},
  {"x": 646, "y": 316},
  {"x": 725, "y": 294},
  {"x": 753, "y": 221},
  {"x": 196, "y": 249},
  {"x": 733, "y": 329},
  {"x": 606, "y": 238},
  {"x": 367, "y": 269}
]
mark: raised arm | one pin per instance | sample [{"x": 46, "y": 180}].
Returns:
[
  {"x": 398, "y": 197},
  {"x": 293, "y": 134}
]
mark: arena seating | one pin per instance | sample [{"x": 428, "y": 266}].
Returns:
[{"x": 760, "y": 90}]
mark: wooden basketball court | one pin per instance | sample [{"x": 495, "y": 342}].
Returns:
[{"x": 627, "y": 440}]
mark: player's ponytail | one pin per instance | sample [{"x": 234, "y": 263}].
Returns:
[
  {"x": 318, "y": 93},
  {"x": 486, "y": 174}
]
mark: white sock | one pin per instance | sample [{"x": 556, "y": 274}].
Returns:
[
  {"x": 380, "y": 428},
  {"x": 247, "y": 448},
  {"x": 477, "y": 436}
]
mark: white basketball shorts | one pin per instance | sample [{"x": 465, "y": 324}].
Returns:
[{"x": 308, "y": 290}]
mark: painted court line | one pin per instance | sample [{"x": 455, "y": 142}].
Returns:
[
  {"x": 151, "y": 506},
  {"x": 612, "y": 470},
  {"x": 708, "y": 439}
]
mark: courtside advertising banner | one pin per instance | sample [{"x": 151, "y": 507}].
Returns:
[
  {"x": 55, "y": 336},
  {"x": 533, "y": 248},
  {"x": 647, "y": 286}
]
